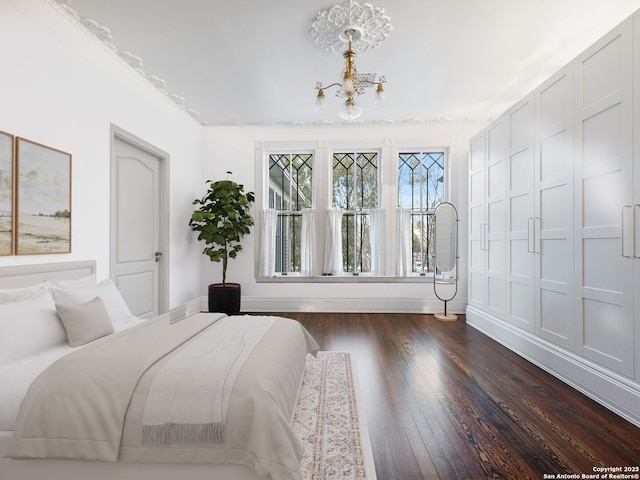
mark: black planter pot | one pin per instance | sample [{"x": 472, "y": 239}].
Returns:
[{"x": 225, "y": 299}]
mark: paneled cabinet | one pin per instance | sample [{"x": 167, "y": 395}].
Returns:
[
  {"x": 604, "y": 185},
  {"x": 521, "y": 214},
  {"x": 477, "y": 296},
  {"x": 566, "y": 186},
  {"x": 632, "y": 229},
  {"x": 487, "y": 164},
  {"x": 553, "y": 222}
]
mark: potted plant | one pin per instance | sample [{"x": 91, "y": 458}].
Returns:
[{"x": 222, "y": 219}]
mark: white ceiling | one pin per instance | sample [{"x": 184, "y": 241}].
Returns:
[{"x": 254, "y": 61}]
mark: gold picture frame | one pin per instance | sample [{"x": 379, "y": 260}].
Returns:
[
  {"x": 7, "y": 190},
  {"x": 43, "y": 199}
]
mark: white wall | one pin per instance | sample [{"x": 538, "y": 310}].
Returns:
[
  {"x": 233, "y": 148},
  {"x": 63, "y": 88}
]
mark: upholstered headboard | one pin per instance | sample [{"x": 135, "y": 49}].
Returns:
[{"x": 25, "y": 275}]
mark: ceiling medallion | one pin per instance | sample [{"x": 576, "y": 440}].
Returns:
[{"x": 367, "y": 26}]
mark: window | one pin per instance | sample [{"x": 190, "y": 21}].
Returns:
[
  {"x": 290, "y": 191},
  {"x": 355, "y": 189},
  {"x": 332, "y": 212},
  {"x": 421, "y": 189}
]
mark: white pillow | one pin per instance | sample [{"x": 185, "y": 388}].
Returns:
[
  {"x": 17, "y": 294},
  {"x": 85, "y": 322},
  {"x": 106, "y": 290},
  {"x": 86, "y": 281},
  {"x": 28, "y": 327}
]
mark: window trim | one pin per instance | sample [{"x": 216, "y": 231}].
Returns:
[
  {"x": 356, "y": 211},
  {"x": 322, "y": 150},
  {"x": 427, "y": 212}
]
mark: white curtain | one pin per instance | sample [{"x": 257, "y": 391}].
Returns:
[
  {"x": 377, "y": 234},
  {"x": 333, "y": 243},
  {"x": 403, "y": 244},
  {"x": 269, "y": 220},
  {"x": 308, "y": 242}
]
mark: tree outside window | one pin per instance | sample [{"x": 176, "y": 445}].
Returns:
[
  {"x": 290, "y": 191},
  {"x": 421, "y": 189},
  {"x": 355, "y": 188}
]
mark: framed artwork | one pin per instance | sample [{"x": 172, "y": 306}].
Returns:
[
  {"x": 6, "y": 193},
  {"x": 43, "y": 199}
]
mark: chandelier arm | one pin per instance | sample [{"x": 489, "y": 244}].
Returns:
[
  {"x": 319, "y": 86},
  {"x": 379, "y": 82}
]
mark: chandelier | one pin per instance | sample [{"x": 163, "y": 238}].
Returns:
[{"x": 367, "y": 27}]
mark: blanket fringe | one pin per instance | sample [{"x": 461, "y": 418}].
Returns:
[{"x": 182, "y": 433}]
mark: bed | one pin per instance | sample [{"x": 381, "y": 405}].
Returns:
[{"x": 99, "y": 399}]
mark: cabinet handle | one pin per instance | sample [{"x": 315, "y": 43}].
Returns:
[
  {"x": 486, "y": 237},
  {"x": 530, "y": 239},
  {"x": 483, "y": 236},
  {"x": 624, "y": 254},
  {"x": 635, "y": 229}
]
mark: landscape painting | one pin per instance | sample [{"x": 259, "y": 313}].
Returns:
[
  {"x": 43, "y": 193},
  {"x": 6, "y": 194}
]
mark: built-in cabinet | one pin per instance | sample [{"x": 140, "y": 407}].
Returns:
[
  {"x": 477, "y": 213},
  {"x": 554, "y": 218},
  {"x": 487, "y": 169},
  {"x": 604, "y": 185},
  {"x": 521, "y": 215}
]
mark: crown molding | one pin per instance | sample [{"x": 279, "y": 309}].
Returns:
[
  {"x": 103, "y": 34},
  {"x": 411, "y": 122}
]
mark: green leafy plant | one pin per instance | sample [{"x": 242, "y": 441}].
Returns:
[{"x": 222, "y": 219}]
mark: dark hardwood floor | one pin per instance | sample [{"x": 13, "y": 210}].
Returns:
[{"x": 443, "y": 401}]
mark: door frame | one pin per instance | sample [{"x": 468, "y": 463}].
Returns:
[{"x": 117, "y": 133}]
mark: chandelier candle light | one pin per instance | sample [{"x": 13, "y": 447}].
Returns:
[{"x": 351, "y": 22}]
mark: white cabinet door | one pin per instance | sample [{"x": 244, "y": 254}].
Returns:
[
  {"x": 477, "y": 223},
  {"x": 636, "y": 189},
  {"x": 604, "y": 183},
  {"x": 553, "y": 220},
  {"x": 496, "y": 218},
  {"x": 521, "y": 215}
]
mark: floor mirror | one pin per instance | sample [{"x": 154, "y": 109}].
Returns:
[{"x": 445, "y": 282}]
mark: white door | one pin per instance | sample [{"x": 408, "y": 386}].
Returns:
[
  {"x": 553, "y": 226},
  {"x": 604, "y": 161},
  {"x": 477, "y": 223},
  {"x": 521, "y": 260},
  {"x": 137, "y": 254},
  {"x": 495, "y": 218}
]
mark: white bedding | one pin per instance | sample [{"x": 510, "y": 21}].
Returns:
[
  {"x": 15, "y": 377},
  {"x": 60, "y": 419}
]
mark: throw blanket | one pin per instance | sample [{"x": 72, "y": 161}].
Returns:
[
  {"x": 93, "y": 386},
  {"x": 194, "y": 408}
]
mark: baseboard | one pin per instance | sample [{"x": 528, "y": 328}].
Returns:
[
  {"x": 616, "y": 392},
  {"x": 188, "y": 309},
  {"x": 352, "y": 305},
  {"x": 341, "y": 305}
]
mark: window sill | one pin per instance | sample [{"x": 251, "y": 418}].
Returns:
[{"x": 294, "y": 278}]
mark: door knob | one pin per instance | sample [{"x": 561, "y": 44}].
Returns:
[{"x": 157, "y": 255}]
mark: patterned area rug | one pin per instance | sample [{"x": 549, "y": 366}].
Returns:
[{"x": 328, "y": 423}]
